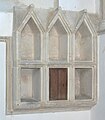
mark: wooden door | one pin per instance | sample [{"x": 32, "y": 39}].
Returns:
[{"x": 58, "y": 84}]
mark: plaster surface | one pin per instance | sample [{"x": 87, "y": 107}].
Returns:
[
  {"x": 6, "y": 23},
  {"x": 75, "y": 5},
  {"x": 98, "y": 112}
]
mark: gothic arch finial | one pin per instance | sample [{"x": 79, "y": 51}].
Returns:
[{"x": 31, "y": 6}]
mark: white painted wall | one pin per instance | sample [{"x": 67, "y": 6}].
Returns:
[
  {"x": 98, "y": 112},
  {"x": 6, "y": 23},
  {"x": 53, "y": 116},
  {"x": 75, "y": 5},
  {"x": 2, "y": 79},
  {"x": 78, "y": 5}
]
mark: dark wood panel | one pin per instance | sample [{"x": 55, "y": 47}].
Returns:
[
  {"x": 53, "y": 84},
  {"x": 57, "y": 83},
  {"x": 62, "y": 84}
]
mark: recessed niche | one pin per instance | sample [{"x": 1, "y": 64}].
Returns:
[
  {"x": 83, "y": 83},
  {"x": 30, "y": 85},
  {"x": 30, "y": 43},
  {"x": 58, "y": 42},
  {"x": 83, "y": 44},
  {"x": 58, "y": 84}
]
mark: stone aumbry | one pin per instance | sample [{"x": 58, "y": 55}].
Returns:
[{"x": 46, "y": 40}]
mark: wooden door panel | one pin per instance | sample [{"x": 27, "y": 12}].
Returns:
[
  {"x": 62, "y": 84},
  {"x": 57, "y": 84},
  {"x": 53, "y": 84}
]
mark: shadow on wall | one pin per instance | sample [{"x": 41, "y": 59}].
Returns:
[{"x": 98, "y": 112}]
